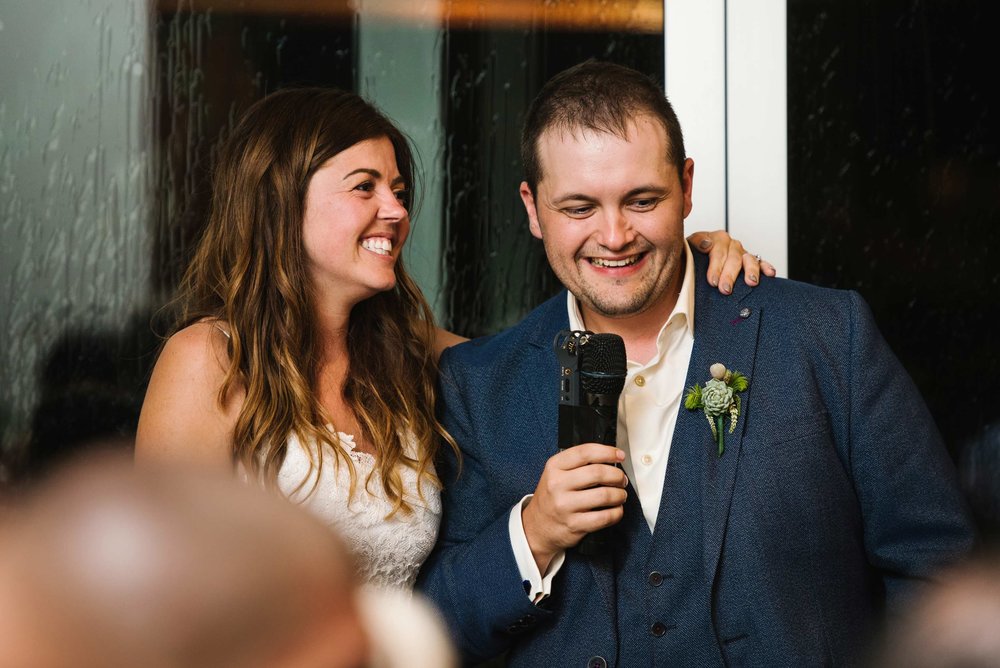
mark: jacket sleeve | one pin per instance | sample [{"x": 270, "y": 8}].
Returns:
[
  {"x": 472, "y": 575},
  {"x": 915, "y": 519}
]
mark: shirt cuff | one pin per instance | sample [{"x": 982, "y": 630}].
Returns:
[{"x": 537, "y": 587}]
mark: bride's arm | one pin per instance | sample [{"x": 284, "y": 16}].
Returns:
[
  {"x": 443, "y": 339},
  {"x": 726, "y": 257},
  {"x": 181, "y": 419}
]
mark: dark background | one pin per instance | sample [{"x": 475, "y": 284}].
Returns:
[
  {"x": 894, "y": 191},
  {"x": 894, "y": 187}
]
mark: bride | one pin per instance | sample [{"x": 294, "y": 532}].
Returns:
[{"x": 304, "y": 356}]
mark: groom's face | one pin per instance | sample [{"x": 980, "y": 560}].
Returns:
[{"x": 610, "y": 211}]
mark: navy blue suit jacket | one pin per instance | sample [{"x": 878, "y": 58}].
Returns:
[{"x": 833, "y": 495}]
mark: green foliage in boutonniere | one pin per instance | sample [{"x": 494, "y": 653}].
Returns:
[{"x": 719, "y": 397}]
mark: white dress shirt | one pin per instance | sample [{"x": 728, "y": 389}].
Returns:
[{"x": 647, "y": 413}]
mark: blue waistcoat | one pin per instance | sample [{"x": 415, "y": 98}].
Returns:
[{"x": 663, "y": 593}]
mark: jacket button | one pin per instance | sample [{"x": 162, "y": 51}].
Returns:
[
  {"x": 597, "y": 662},
  {"x": 655, "y": 579},
  {"x": 658, "y": 629}
]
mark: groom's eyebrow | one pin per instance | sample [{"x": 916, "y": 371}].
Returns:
[
  {"x": 648, "y": 189},
  {"x": 573, "y": 197},
  {"x": 645, "y": 189}
]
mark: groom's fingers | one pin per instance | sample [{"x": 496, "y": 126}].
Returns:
[
  {"x": 587, "y": 453},
  {"x": 603, "y": 518},
  {"x": 594, "y": 475},
  {"x": 580, "y": 467},
  {"x": 597, "y": 498},
  {"x": 579, "y": 491}
]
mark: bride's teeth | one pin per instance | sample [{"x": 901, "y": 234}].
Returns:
[{"x": 378, "y": 245}]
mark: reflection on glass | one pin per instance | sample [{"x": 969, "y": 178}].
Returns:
[
  {"x": 894, "y": 187},
  {"x": 113, "y": 110},
  {"x": 214, "y": 59},
  {"x": 496, "y": 271},
  {"x": 74, "y": 194}
]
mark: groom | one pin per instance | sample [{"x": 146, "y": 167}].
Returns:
[{"x": 781, "y": 543}]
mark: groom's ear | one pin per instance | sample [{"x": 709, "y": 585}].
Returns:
[
  {"x": 529, "y": 206},
  {"x": 687, "y": 185}
]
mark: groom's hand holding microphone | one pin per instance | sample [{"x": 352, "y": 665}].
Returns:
[{"x": 582, "y": 488}]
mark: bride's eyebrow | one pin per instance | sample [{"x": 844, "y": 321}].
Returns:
[{"x": 375, "y": 174}]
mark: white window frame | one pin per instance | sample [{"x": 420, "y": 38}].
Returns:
[{"x": 725, "y": 74}]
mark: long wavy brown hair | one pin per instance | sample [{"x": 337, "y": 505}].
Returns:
[{"x": 249, "y": 271}]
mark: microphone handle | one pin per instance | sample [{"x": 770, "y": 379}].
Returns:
[{"x": 594, "y": 422}]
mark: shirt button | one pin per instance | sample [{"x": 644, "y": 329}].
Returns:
[
  {"x": 640, "y": 381},
  {"x": 647, "y": 460},
  {"x": 658, "y": 629}
]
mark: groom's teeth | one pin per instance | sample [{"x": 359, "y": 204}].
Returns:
[
  {"x": 379, "y": 245},
  {"x": 601, "y": 262}
]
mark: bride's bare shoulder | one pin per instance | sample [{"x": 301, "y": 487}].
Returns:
[
  {"x": 444, "y": 339},
  {"x": 181, "y": 414}
]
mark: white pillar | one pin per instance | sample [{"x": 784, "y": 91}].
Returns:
[
  {"x": 726, "y": 78},
  {"x": 695, "y": 80},
  {"x": 399, "y": 69},
  {"x": 757, "y": 121}
]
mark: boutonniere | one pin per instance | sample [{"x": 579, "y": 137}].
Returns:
[{"x": 718, "y": 398}]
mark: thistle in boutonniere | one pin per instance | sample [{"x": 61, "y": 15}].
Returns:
[{"x": 719, "y": 398}]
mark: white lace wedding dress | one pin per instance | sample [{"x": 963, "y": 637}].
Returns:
[{"x": 389, "y": 551}]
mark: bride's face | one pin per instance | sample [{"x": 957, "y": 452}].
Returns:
[{"x": 356, "y": 221}]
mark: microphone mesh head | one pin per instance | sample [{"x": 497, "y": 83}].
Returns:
[{"x": 602, "y": 364}]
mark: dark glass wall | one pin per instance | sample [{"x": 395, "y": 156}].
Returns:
[
  {"x": 210, "y": 65},
  {"x": 111, "y": 119},
  {"x": 894, "y": 191},
  {"x": 496, "y": 271}
]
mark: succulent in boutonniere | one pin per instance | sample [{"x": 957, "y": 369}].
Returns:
[{"x": 719, "y": 398}]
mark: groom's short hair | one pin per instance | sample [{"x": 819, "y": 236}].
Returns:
[{"x": 598, "y": 96}]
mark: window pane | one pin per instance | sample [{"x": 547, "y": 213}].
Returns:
[
  {"x": 496, "y": 270},
  {"x": 894, "y": 175},
  {"x": 113, "y": 111}
]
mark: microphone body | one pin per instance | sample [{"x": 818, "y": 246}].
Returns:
[{"x": 592, "y": 376}]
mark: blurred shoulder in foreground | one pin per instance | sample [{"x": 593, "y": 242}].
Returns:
[
  {"x": 109, "y": 566},
  {"x": 955, "y": 623}
]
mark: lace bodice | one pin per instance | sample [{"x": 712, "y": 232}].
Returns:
[{"x": 389, "y": 551}]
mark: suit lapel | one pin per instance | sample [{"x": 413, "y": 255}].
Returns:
[
  {"x": 726, "y": 331},
  {"x": 543, "y": 384}
]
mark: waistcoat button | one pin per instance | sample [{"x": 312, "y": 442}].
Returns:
[
  {"x": 655, "y": 579},
  {"x": 597, "y": 662},
  {"x": 658, "y": 629}
]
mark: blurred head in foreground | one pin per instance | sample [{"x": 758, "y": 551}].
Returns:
[
  {"x": 955, "y": 625},
  {"x": 106, "y": 566}
]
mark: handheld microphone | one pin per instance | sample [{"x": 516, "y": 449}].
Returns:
[{"x": 592, "y": 376}]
